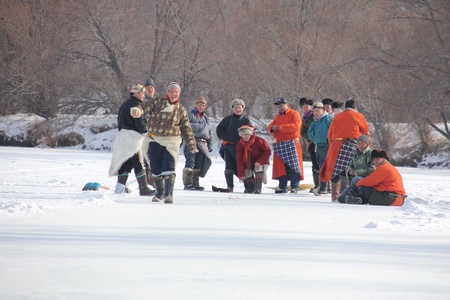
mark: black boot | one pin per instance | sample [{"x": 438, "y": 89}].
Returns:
[
  {"x": 169, "y": 181},
  {"x": 249, "y": 184},
  {"x": 158, "y": 181},
  {"x": 258, "y": 182},
  {"x": 144, "y": 190},
  {"x": 316, "y": 182},
  {"x": 196, "y": 180},
  {"x": 188, "y": 178},
  {"x": 230, "y": 180}
]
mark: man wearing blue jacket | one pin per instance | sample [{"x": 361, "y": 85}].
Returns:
[{"x": 318, "y": 133}]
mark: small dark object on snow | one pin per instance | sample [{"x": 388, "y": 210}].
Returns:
[{"x": 221, "y": 190}]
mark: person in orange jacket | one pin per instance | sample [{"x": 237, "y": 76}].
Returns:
[
  {"x": 287, "y": 158},
  {"x": 382, "y": 187},
  {"x": 345, "y": 128}
]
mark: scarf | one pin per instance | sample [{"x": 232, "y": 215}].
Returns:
[
  {"x": 246, "y": 156},
  {"x": 306, "y": 116}
]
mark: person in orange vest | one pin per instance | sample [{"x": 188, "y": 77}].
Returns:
[
  {"x": 345, "y": 128},
  {"x": 287, "y": 158},
  {"x": 382, "y": 187}
]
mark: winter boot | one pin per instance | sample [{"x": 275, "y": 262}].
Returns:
[
  {"x": 148, "y": 172},
  {"x": 329, "y": 188},
  {"x": 188, "y": 178},
  {"x": 230, "y": 180},
  {"x": 196, "y": 180},
  {"x": 322, "y": 189},
  {"x": 159, "y": 186},
  {"x": 144, "y": 190},
  {"x": 316, "y": 182},
  {"x": 258, "y": 182},
  {"x": 349, "y": 199},
  {"x": 250, "y": 186},
  {"x": 169, "y": 181},
  {"x": 121, "y": 187},
  {"x": 335, "y": 187}
]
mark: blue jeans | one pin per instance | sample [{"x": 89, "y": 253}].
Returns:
[
  {"x": 352, "y": 186},
  {"x": 193, "y": 160}
]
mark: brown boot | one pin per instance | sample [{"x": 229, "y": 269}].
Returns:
[
  {"x": 258, "y": 182},
  {"x": 335, "y": 187},
  {"x": 188, "y": 178},
  {"x": 196, "y": 180}
]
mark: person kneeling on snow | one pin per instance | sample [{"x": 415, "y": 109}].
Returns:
[
  {"x": 252, "y": 159},
  {"x": 382, "y": 187}
]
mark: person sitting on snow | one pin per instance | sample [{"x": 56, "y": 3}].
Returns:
[
  {"x": 382, "y": 187},
  {"x": 360, "y": 166}
]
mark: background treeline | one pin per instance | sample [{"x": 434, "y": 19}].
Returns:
[{"x": 81, "y": 57}]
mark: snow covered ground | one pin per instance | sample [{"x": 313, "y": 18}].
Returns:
[{"x": 58, "y": 242}]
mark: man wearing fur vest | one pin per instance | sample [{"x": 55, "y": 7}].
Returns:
[
  {"x": 167, "y": 126},
  {"x": 252, "y": 159},
  {"x": 127, "y": 145}
]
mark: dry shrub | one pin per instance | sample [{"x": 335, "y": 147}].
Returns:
[
  {"x": 66, "y": 140},
  {"x": 17, "y": 140},
  {"x": 100, "y": 129}
]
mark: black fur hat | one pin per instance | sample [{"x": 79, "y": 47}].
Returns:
[
  {"x": 379, "y": 154},
  {"x": 304, "y": 101}
]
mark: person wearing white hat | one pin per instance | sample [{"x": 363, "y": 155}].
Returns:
[
  {"x": 126, "y": 150},
  {"x": 252, "y": 159},
  {"x": 167, "y": 126},
  {"x": 318, "y": 133},
  {"x": 227, "y": 131}
]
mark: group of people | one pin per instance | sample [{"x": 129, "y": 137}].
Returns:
[
  {"x": 155, "y": 128},
  {"x": 151, "y": 130},
  {"x": 338, "y": 140}
]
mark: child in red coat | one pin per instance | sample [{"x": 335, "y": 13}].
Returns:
[{"x": 252, "y": 159}]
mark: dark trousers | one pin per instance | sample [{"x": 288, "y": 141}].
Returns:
[
  {"x": 290, "y": 175},
  {"x": 134, "y": 162},
  {"x": 314, "y": 160},
  {"x": 161, "y": 162},
  {"x": 228, "y": 154}
]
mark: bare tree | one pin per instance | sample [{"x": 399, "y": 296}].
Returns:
[{"x": 28, "y": 74}]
